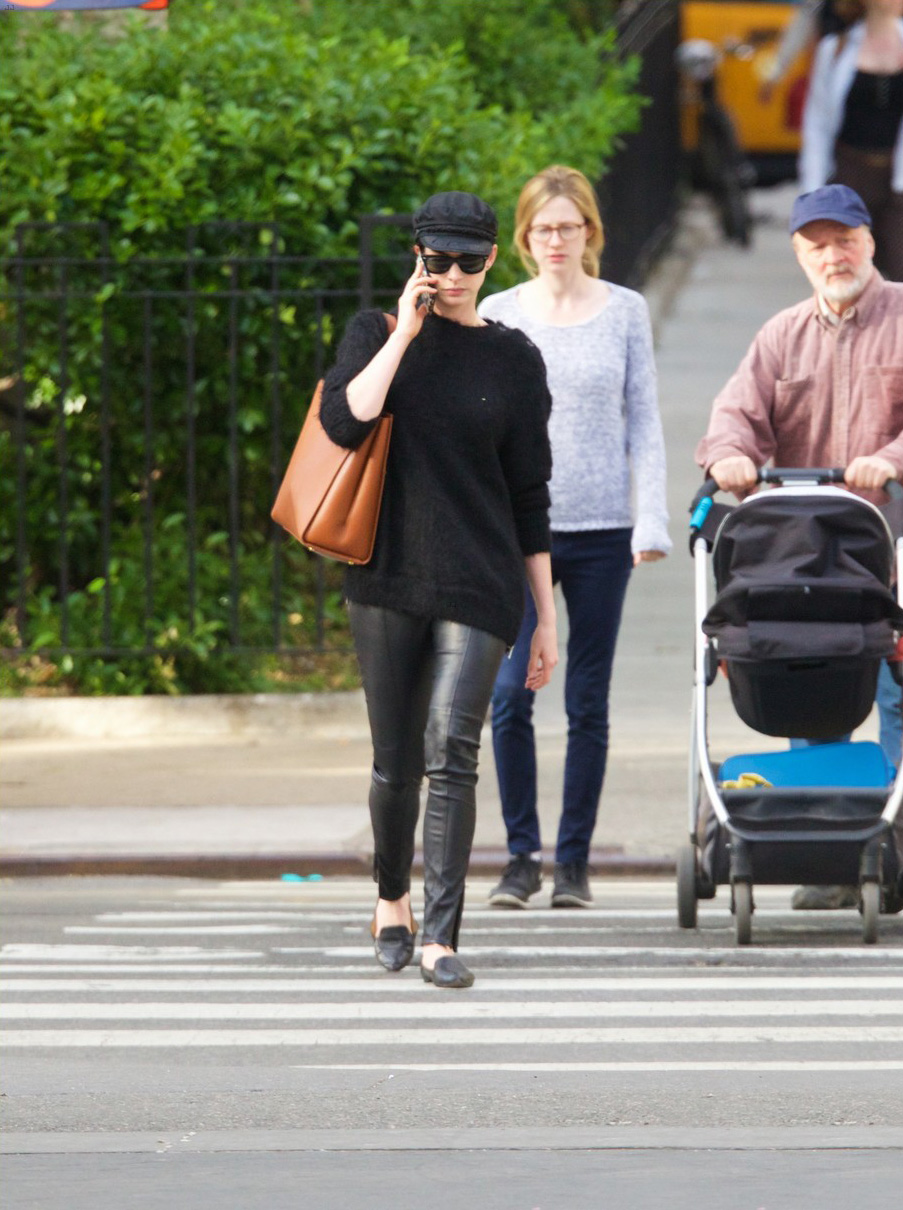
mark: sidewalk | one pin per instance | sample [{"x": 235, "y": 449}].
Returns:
[{"x": 243, "y": 787}]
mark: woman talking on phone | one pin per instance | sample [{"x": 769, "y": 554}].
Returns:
[{"x": 464, "y": 515}]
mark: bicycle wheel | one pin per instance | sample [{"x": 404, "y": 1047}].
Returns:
[{"x": 727, "y": 172}]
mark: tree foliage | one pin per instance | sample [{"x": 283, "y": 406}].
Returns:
[{"x": 301, "y": 115}]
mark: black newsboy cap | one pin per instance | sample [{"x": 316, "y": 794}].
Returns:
[{"x": 456, "y": 222}]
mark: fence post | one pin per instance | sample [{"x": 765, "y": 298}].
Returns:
[{"x": 640, "y": 190}]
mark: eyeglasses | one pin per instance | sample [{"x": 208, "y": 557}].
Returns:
[
  {"x": 441, "y": 262},
  {"x": 567, "y": 231}
]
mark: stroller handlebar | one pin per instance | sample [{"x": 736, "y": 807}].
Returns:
[
  {"x": 802, "y": 474},
  {"x": 702, "y": 501}
]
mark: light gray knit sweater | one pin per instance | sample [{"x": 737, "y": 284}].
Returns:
[{"x": 605, "y": 427}]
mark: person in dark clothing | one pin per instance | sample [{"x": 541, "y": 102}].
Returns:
[
  {"x": 853, "y": 123},
  {"x": 464, "y": 512}
]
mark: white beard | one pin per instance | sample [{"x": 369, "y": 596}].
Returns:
[{"x": 840, "y": 290}]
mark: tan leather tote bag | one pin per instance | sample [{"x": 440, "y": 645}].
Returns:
[{"x": 330, "y": 497}]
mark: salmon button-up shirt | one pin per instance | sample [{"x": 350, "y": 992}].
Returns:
[{"x": 814, "y": 393}]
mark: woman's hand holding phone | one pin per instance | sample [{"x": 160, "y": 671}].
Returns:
[
  {"x": 416, "y": 301},
  {"x": 427, "y": 299}
]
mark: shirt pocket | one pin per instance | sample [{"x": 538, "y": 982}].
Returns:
[
  {"x": 794, "y": 415},
  {"x": 882, "y": 398}
]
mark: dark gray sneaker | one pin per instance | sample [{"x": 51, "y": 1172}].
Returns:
[
  {"x": 824, "y": 898},
  {"x": 521, "y": 878},
  {"x": 571, "y": 889}
]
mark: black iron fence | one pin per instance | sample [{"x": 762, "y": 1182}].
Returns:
[
  {"x": 640, "y": 191},
  {"x": 147, "y": 409},
  {"x": 145, "y": 427}
]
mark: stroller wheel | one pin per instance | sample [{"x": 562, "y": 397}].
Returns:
[
  {"x": 686, "y": 886},
  {"x": 742, "y": 905},
  {"x": 869, "y": 906}
]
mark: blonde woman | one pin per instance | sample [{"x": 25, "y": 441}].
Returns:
[{"x": 607, "y": 446}]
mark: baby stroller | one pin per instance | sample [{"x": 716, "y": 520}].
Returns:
[{"x": 802, "y": 618}]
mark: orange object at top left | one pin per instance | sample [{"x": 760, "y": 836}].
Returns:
[{"x": 74, "y": 5}]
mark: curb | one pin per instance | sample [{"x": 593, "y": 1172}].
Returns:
[
  {"x": 241, "y": 866},
  {"x": 196, "y": 715}
]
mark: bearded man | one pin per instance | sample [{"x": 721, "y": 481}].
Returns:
[{"x": 822, "y": 385}]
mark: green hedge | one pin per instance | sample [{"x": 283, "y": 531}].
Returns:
[{"x": 306, "y": 116}]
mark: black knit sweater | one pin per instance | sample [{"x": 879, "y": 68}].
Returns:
[{"x": 466, "y": 493}]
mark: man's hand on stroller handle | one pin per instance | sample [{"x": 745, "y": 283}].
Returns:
[
  {"x": 737, "y": 474},
  {"x": 869, "y": 473}
]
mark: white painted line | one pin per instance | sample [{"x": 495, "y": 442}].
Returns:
[
  {"x": 197, "y": 930},
  {"x": 533, "y": 920},
  {"x": 547, "y": 976},
  {"x": 119, "y": 953},
  {"x": 269, "y": 914},
  {"x": 707, "y": 1065},
  {"x": 352, "y": 916},
  {"x": 357, "y": 888},
  {"x": 360, "y": 930},
  {"x": 447, "y": 1036},
  {"x": 427, "y": 1009},
  {"x": 774, "y": 955},
  {"x": 712, "y": 927},
  {"x": 193, "y": 968},
  {"x": 704, "y": 982}
]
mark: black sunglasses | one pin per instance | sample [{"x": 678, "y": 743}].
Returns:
[{"x": 441, "y": 262}]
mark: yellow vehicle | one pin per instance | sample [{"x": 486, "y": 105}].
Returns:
[{"x": 746, "y": 35}]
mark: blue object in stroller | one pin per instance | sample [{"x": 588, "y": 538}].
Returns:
[{"x": 803, "y": 615}]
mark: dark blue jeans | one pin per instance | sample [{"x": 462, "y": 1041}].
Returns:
[
  {"x": 593, "y": 568},
  {"x": 889, "y": 699}
]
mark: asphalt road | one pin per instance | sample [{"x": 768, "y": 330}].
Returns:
[{"x": 189, "y": 1044}]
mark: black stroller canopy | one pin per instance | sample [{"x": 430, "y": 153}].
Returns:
[
  {"x": 803, "y": 558},
  {"x": 804, "y": 611}
]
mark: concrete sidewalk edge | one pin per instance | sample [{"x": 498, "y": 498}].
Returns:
[{"x": 247, "y": 866}]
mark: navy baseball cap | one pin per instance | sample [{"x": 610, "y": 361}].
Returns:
[
  {"x": 839, "y": 203},
  {"x": 456, "y": 222}
]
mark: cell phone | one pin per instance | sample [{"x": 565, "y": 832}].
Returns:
[{"x": 425, "y": 300}]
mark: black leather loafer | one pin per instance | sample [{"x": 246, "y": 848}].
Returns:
[
  {"x": 449, "y": 971},
  {"x": 394, "y": 946}
]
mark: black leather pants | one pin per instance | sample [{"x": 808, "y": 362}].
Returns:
[{"x": 427, "y": 683}]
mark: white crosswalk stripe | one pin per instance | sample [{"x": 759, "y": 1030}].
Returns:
[{"x": 555, "y": 991}]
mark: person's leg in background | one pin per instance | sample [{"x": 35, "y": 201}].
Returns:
[
  {"x": 888, "y": 232},
  {"x": 872, "y": 178},
  {"x": 466, "y": 661},
  {"x": 594, "y": 568},
  {"x": 514, "y": 748},
  {"x": 889, "y": 700},
  {"x": 888, "y": 697}
]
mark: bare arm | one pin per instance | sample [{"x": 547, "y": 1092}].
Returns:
[
  {"x": 544, "y": 644},
  {"x": 800, "y": 30}
]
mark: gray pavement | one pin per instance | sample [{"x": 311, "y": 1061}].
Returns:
[
  {"x": 207, "y": 1043},
  {"x": 267, "y": 784}
]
